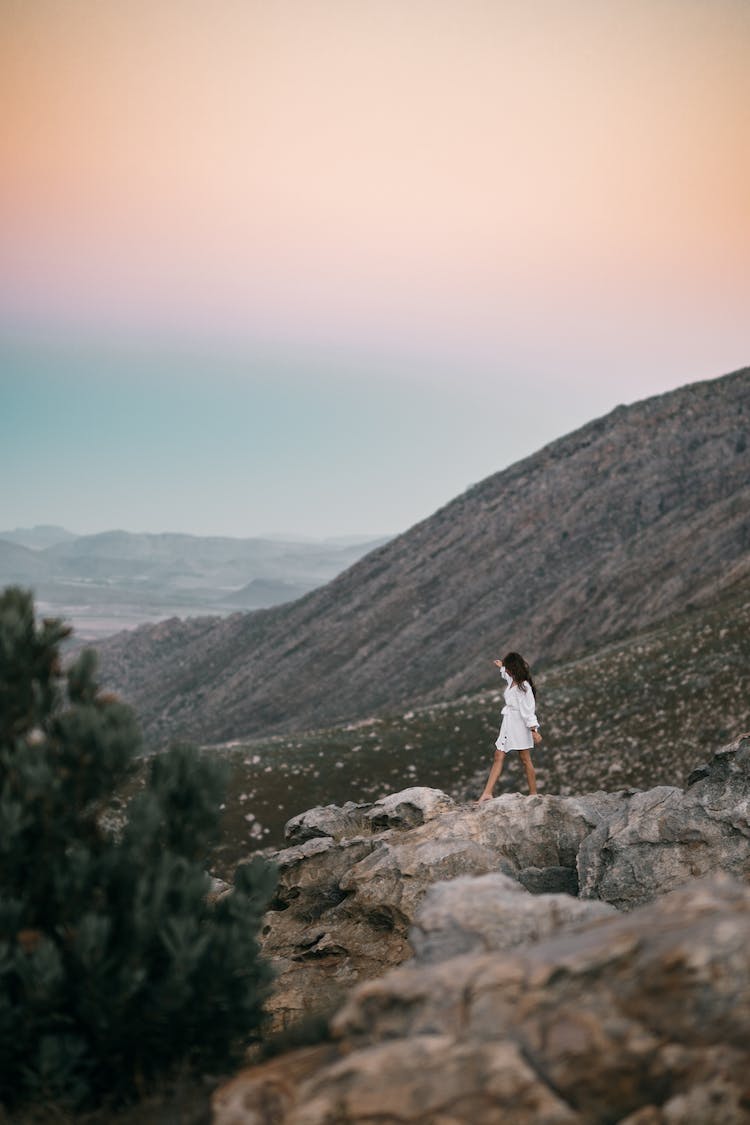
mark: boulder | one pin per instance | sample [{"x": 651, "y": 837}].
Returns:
[
  {"x": 640, "y": 1018},
  {"x": 310, "y": 873},
  {"x": 408, "y": 808},
  {"x": 329, "y": 820},
  {"x": 317, "y": 947},
  {"x": 405, "y": 809},
  {"x": 346, "y": 899},
  {"x": 537, "y": 832},
  {"x": 491, "y": 912},
  {"x": 387, "y": 886},
  {"x": 665, "y": 836}
]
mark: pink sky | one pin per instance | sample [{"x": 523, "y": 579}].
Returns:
[{"x": 530, "y": 184}]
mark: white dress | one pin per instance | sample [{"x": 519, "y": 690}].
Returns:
[{"x": 519, "y": 716}]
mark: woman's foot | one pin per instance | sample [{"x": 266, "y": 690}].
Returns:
[{"x": 484, "y": 797}]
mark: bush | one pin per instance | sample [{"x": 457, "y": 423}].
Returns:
[{"x": 114, "y": 968}]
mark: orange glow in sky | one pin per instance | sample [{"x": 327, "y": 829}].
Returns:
[
  {"x": 439, "y": 173},
  {"x": 426, "y": 236}
]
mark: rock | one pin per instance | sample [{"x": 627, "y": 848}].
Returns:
[
  {"x": 665, "y": 836},
  {"x": 405, "y": 809},
  {"x": 330, "y": 820},
  {"x": 217, "y": 889},
  {"x": 389, "y": 884},
  {"x": 531, "y": 832},
  {"x": 344, "y": 906},
  {"x": 489, "y": 912},
  {"x": 641, "y": 1018},
  {"x": 271, "y": 1092},
  {"x": 310, "y": 873},
  {"x": 408, "y": 808},
  {"x": 318, "y": 950},
  {"x": 549, "y": 880},
  {"x": 434, "y": 1083}
]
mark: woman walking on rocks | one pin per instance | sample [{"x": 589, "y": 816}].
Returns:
[{"x": 519, "y": 730}]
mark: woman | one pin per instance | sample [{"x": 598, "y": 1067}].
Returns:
[{"x": 519, "y": 729}]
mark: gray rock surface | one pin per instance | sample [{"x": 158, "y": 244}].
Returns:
[
  {"x": 389, "y": 884},
  {"x": 665, "y": 836},
  {"x": 641, "y": 1019},
  {"x": 408, "y": 808},
  {"x": 346, "y": 908},
  {"x": 330, "y": 820},
  {"x": 491, "y": 912}
]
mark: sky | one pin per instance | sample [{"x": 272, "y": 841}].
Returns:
[{"x": 315, "y": 266}]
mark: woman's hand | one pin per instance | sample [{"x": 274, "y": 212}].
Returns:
[
  {"x": 499, "y": 663},
  {"x": 536, "y": 736}
]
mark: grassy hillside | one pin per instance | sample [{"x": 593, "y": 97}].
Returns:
[{"x": 638, "y": 713}]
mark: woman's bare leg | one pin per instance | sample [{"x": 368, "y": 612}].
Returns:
[
  {"x": 528, "y": 766},
  {"x": 497, "y": 769}
]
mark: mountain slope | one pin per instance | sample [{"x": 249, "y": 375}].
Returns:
[{"x": 601, "y": 533}]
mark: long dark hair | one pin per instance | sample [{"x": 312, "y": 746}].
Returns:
[{"x": 519, "y": 670}]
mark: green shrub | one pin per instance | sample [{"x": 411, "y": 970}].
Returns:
[{"x": 114, "y": 968}]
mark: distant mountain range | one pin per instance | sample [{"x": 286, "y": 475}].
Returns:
[
  {"x": 39, "y": 537},
  {"x": 601, "y": 534},
  {"x": 118, "y": 576}
]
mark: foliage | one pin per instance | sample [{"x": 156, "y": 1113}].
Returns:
[{"x": 115, "y": 969}]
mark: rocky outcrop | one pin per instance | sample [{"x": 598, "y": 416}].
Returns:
[
  {"x": 346, "y": 902},
  {"x": 406, "y": 809},
  {"x": 640, "y": 1018},
  {"x": 492, "y": 912},
  {"x": 374, "y": 892},
  {"x": 660, "y": 838},
  {"x": 505, "y": 1004}
]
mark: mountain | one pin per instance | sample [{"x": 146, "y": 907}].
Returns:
[
  {"x": 209, "y": 562},
  {"x": 262, "y": 592},
  {"x": 600, "y": 534},
  {"x": 38, "y": 537},
  {"x": 20, "y": 564},
  {"x": 116, "y": 579}
]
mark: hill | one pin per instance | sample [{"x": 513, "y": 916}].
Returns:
[
  {"x": 199, "y": 562},
  {"x": 601, "y": 534},
  {"x": 38, "y": 537},
  {"x": 115, "y": 579},
  {"x": 20, "y": 564}
]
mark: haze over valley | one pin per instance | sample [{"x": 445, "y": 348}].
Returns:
[{"x": 117, "y": 579}]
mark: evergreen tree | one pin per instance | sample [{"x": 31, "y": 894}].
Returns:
[{"x": 114, "y": 968}]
